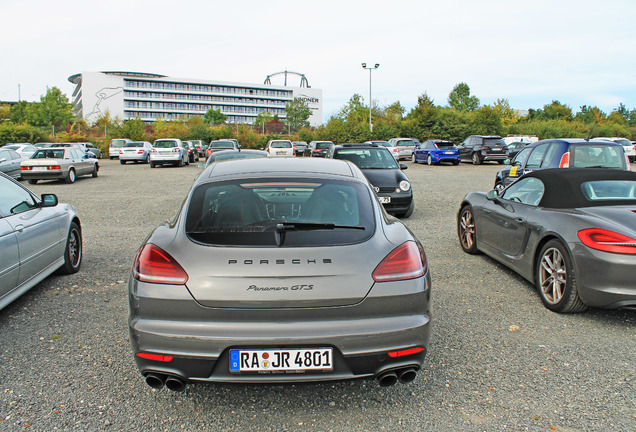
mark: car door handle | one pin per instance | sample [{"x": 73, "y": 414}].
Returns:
[
  {"x": 519, "y": 220},
  {"x": 19, "y": 228}
]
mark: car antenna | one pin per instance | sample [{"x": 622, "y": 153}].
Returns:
[{"x": 591, "y": 130}]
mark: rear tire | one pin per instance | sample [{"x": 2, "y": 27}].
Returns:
[
  {"x": 73, "y": 251},
  {"x": 413, "y": 158},
  {"x": 122, "y": 162},
  {"x": 429, "y": 160},
  {"x": 456, "y": 162},
  {"x": 70, "y": 177},
  {"x": 556, "y": 281},
  {"x": 94, "y": 173},
  {"x": 33, "y": 181},
  {"x": 476, "y": 159}
]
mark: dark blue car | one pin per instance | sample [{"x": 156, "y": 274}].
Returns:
[
  {"x": 436, "y": 151},
  {"x": 563, "y": 153}
]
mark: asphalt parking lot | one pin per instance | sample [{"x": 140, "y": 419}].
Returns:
[{"x": 498, "y": 359}]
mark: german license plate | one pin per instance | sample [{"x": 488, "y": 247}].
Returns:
[
  {"x": 385, "y": 200},
  {"x": 496, "y": 149},
  {"x": 281, "y": 360},
  {"x": 280, "y": 152},
  {"x": 40, "y": 168}
]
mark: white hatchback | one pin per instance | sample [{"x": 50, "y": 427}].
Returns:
[{"x": 280, "y": 148}]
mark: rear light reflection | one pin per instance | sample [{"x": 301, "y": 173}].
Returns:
[
  {"x": 405, "y": 352},
  {"x": 156, "y": 357},
  {"x": 607, "y": 241},
  {"x": 155, "y": 265},
  {"x": 407, "y": 261}
]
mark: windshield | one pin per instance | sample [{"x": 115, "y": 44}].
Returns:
[
  {"x": 597, "y": 156},
  {"x": 494, "y": 142},
  {"x": 324, "y": 145},
  {"x": 368, "y": 158},
  {"x": 116, "y": 143},
  {"x": 43, "y": 154},
  {"x": 238, "y": 155},
  {"x": 165, "y": 144},
  {"x": 134, "y": 144},
  {"x": 405, "y": 143},
  {"x": 255, "y": 211},
  {"x": 281, "y": 144}
]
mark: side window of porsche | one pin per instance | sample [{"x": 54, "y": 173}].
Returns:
[{"x": 527, "y": 191}]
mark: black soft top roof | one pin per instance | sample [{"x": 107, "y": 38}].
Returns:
[{"x": 563, "y": 186}]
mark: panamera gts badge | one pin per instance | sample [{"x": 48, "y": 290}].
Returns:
[{"x": 299, "y": 287}]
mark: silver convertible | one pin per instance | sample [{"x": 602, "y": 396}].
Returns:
[
  {"x": 572, "y": 232},
  {"x": 280, "y": 270},
  {"x": 38, "y": 236}
]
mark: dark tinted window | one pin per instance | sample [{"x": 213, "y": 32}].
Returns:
[
  {"x": 445, "y": 144},
  {"x": 254, "y": 211},
  {"x": 492, "y": 142}
]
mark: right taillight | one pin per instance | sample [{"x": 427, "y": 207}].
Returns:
[
  {"x": 155, "y": 265},
  {"x": 607, "y": 241},
  {"x": 565, "y": 160},
  {"x": 406, "y": 261}
]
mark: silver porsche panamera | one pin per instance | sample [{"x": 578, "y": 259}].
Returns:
[
  {"x": 280, "y": 270},
  {"x": 571, "y": 232}
]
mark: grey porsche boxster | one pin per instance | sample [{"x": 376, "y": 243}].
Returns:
[
  {"x": 570, "y": 232},
  {"x": 280, "y": 270}
]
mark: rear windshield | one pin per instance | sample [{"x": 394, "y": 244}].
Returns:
[
  {"x": 293, "y": 212},
  {"x": 494, "y": 142},
  {"x": 610, "y": 190},
  {"x": 324, "y": 145},
  {"x": 405, "y": 143},
  {"x": 116, "y": 143},
  {"x": 134, "y": 144},
  {"x": 597, "y": 156},
  {"x": 222, "y": 144},
  {"x": 281, "y": 144},
  {"x": 368, "y": 158},
  {"x": 444, "y": 144},
  {"x": 236, "y": 155},
  {"x": 53, "y": 154},
  {"x": 165, "y": 144}
]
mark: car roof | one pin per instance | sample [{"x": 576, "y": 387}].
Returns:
[
  {"x": 563, "y": 186},
  {"x": 282, "y": 167},
  {"x": 575, "y": 141}
]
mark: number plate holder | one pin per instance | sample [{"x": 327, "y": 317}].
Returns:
[{"x": 281, "y": 360}]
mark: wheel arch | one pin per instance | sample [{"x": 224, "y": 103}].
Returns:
[{"x": 545, "y": 239}]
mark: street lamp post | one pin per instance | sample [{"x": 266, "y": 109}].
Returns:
[{"x": 371, "y": 69}]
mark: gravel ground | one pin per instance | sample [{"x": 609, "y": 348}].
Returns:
[{"x": 498, "y": 359}]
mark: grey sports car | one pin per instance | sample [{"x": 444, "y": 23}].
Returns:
[
  {"x": 570, "y": 232},
  {"x": 280, "y": 270},
  {"x": 38, "y": 236}
]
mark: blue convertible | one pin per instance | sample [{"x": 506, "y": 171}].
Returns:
[{"x": 436, "y": 151}]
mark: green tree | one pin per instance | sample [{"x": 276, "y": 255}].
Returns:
[
  {"x": 53, "y": 109},
  {"x": 19, "y": 113},
  {"x": 460, "y": 98},
  {"x": 486, "y": 121},
  {"x": 134, "y": 129},
  {"x": 298, "y": 112},
  {"x": 263, "y": 118},
  {"x": 507, "y": 115},
  {"x": 556, "y": 111},
  {"x": 214, "y": 117},
  {"x": 590, "y": 114},
  {"x": 421, "y": 119}
]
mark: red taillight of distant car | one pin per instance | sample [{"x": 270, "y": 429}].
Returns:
[
  {"x": 607, "y": 241},
  {"x": 565, "y": 160},
  {"x": 155, "y": 265},
  {"x": 407, "y": 261},
  {"x": 121, "y": 152}
]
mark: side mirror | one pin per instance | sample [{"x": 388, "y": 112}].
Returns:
[
  {"x": 49, "y": 200},
  {"x": 506, "y": 162},
  {"x": 493, "y": 195},
  {"x": 404, "y": 166}
]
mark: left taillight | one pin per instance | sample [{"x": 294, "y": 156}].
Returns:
[
  {"x": 565, "y": 160},
  {"x": 607, "y": 241},
  {"x": 155, "y": 265},
  {"x": 406, "y": 261}
]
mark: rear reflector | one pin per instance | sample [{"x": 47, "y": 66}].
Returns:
[
  {"x": 406, "y": 261},
  {"x": 405, "y": 352},
  {"x": 155, "y": 265},
  {"x": 157, "y": 357},
  {"x": 607, "y": 241}
]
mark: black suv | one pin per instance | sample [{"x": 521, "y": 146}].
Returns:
[
  {"x": 481, "y": 148},
  {"x": 383, "y": 172}
]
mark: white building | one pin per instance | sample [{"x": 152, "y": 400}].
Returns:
[{"x": 130, "y": 95}]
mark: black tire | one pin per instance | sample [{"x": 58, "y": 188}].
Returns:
[
  {"x": 122, "y": 162},
  {"x": 413, "y": 158},
  {"x": 476, "y": 159},
  {"x": 456, "y": 162},
  {"x": 95, "y": 169},
  {"x": 72, "y": 251},
  {"x": 70, "y": 177},
  {"x": 429, "y": 160},
  {"x": 152, "y": 165},
  {"x": 111, "y": 157},
  {"x": 555, "y": 279},
  {"x": 408, "y": 212},
  {"x": 466, "y": 230},
  {"x": 33, "y": 181},
  {"x": 180, "y": 163},
  {"x": 500, "y": 162},
  {"x": 147, "y": 159}
]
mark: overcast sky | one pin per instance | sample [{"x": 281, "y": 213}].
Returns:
[{"x": 530, "y": 52}]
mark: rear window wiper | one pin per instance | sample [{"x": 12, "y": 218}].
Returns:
[{"x": 284, "y": 227}]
